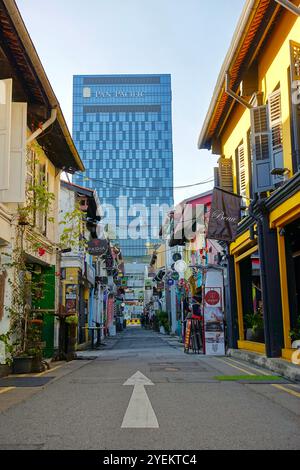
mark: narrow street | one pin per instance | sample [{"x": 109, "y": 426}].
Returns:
[{"x": 84, "y": 403}]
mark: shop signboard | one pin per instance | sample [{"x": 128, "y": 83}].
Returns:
[
  {"x": 110, "y": 310},
  {"x": 225, "y": 216},
  {"x": 214, "y": 322},
  {"x": 97, "y": 247}
]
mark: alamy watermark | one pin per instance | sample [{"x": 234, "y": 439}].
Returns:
[{"x": 141, "y": 222}]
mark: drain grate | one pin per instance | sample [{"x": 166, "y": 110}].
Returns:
[{"x": 26, "y": 382}]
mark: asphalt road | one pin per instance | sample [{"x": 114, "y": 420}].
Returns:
[{"x": 83, "y": 407}]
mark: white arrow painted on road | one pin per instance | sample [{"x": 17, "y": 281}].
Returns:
[{"x": 139, "y": 414}]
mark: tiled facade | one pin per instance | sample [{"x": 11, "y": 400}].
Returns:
[{"x": 122, "y": 126}]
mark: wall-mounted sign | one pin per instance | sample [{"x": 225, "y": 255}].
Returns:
[
  {"x": 97, "y": 247},
  {"x": 119, "y": 94},
  {"x": 225, "y": 216}
]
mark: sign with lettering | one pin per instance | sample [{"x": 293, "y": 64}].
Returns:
[
  {"x": 212, "y": 298},
  {"x": 120, "y": 94},
  {"x": 97, "y": 247},
  {"x": 225, "y": 216}
]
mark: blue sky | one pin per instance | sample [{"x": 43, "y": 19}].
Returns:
[{"x": 187, "y": 38}]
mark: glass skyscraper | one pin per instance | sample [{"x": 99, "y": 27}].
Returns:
[{"x": 122, "y": 127}]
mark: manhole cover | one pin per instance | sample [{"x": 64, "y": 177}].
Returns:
[{"x": 26, "y": 382}]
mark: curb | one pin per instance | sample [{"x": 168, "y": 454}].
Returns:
[{"x": 279, "y": 366}]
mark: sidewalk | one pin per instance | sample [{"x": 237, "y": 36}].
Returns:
[
  {"x": 279, "y": 366},
  {"x": 91, "y": 354}
]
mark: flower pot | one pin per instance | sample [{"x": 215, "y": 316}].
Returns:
[
  {"x": 257, "y": 336},
  {"x": 296, "y": 344},
  {"x": 36, "y": 322},
  {"x": 22, "y": 365},
  {"x": 36, "y": 365}
]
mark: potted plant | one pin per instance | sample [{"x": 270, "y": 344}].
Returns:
[
  {"x": 72, "y": 323},
  {"x": 254, "y": 323},
  {"x": 164, "y": 323}
]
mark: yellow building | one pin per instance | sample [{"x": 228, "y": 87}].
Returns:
[{"x": 253, "y": 124}]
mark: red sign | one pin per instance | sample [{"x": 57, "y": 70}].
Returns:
[
  {"x": 212, "y": 298},
  {"x": 110, "y": 310}
]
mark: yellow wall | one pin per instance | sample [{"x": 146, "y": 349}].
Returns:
[
  {"x": 273, "y": 69},
  {"x": 161, "y": 257}
]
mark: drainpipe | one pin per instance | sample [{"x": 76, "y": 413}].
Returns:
[
  {"x": 233, "y": 94},
  {"x": 44, "y": 126},
  {"x": 289, "y": 6}
]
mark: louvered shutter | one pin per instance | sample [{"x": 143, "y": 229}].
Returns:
[
  {"x": 295, "y": 104},
  {"x": 225, "y": 174},
  {"x": 216, "y": 177},
  {"x": 17, "y": 172},
  {"x": 242, "y": 170},
  {"x": 275, "y": 123},
  {"x": 40, "y": 216},
  {"x": 261, "y": 149},
  {"x": 5, "y": 130}
]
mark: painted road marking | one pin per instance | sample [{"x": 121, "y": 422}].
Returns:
[
  {"x": 235, "y": 367},
  {"x": 249, "y": 367},
  {"x": 47, "y": 371},
  {"x": 8, "y": 389},
  {"x": 20, "y": 376},
  {"x": 279, "y": 387},
  {"x": 139, "y": 414},
  {"x": 287, "y": 390}
]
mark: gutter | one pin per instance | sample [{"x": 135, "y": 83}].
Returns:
[
  {"x": 44, "y": 126},
  {"x": 41, "y": 74},
  {"x": 248, "y": 11}
]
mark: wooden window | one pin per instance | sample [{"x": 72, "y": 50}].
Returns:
[
  {"x": 5, "y": 131},
  {"x": 17, "y": 156},
  {"x": 275, "y": 124},
  {"x": 242, "y": 169},
  {"x": 225, "y": 174},
  {"x": 260, "y": 143},
  {"x": 295, "y": 102}
]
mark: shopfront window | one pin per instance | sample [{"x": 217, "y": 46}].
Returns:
[
  {"x": 252, "y": 305},
  {"x": 292, "y": 240}
]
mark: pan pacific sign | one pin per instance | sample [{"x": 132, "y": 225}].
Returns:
[{"x": 87, "y": 93}]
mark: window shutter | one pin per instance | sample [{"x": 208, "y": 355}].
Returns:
[
  {"x": 216, "y": 177},
  {"x": 275, "y": 123},
  {"x": 5, "y": 129},
  {"x": 242, "y": 170},
  {"x": 17, "y": 172},
  {"x": 225, "y": 174},
  {"x": 295, "y": 104},
  {"x": 41, "y": 216},
  {"x": 261, "y": 152}
]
